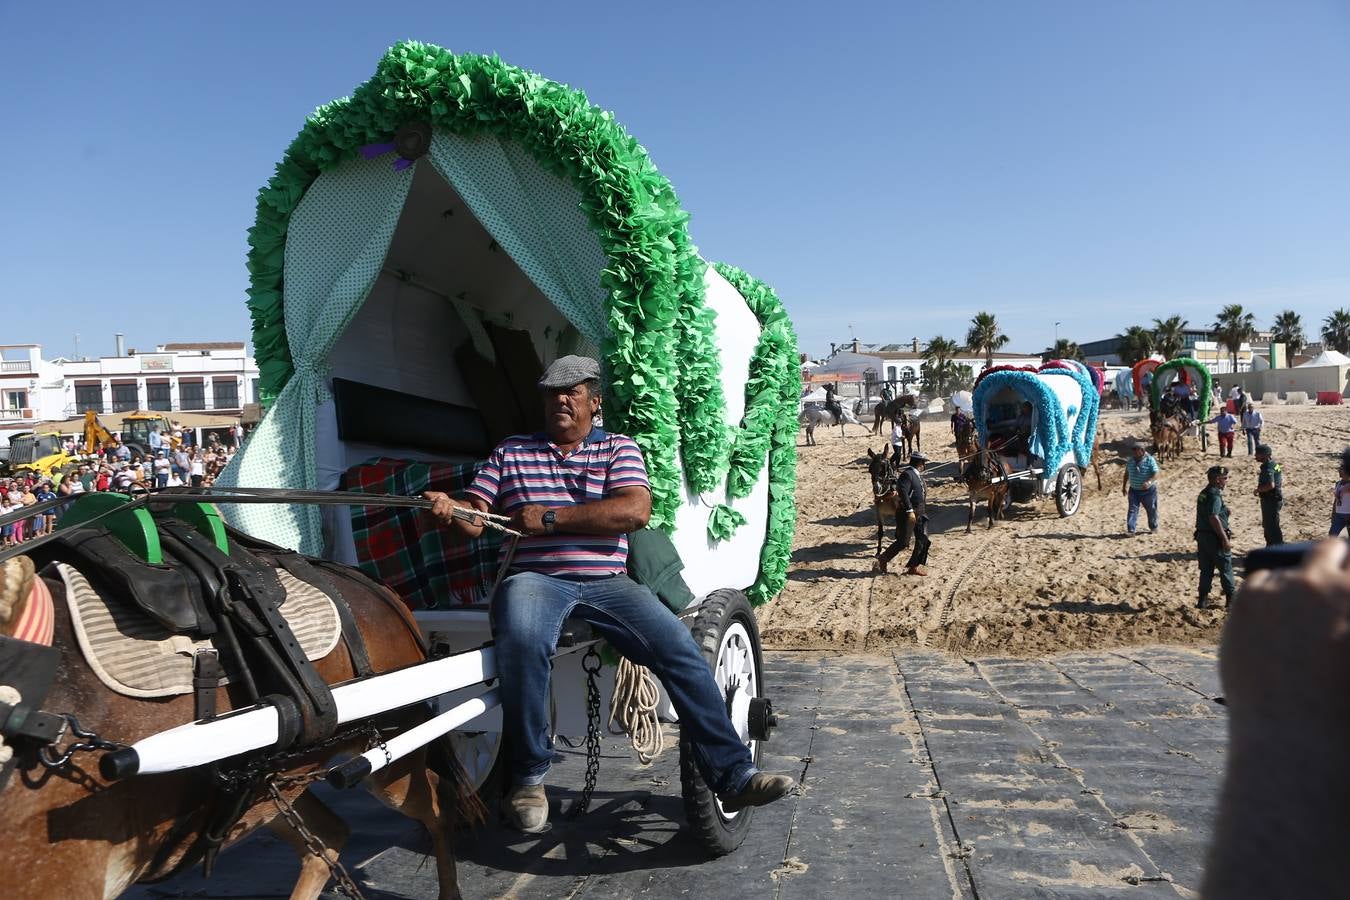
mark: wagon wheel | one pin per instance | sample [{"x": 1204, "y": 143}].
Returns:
[
  {"x": 724, "y": 629},
  {"x": 1068, "y": 490},
  {"x": 480, "y": 754},
  {"x": 1204, "y": 439}
]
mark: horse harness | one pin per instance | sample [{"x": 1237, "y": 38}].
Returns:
[{"x": 233, "y": 598}]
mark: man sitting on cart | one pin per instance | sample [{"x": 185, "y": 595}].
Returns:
[{"x": 575, "y": 491}]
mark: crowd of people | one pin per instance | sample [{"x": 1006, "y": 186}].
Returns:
[{"x": 173, "y": 461}]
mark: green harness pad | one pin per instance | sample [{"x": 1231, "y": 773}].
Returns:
[{"x": 135, "y": 528}]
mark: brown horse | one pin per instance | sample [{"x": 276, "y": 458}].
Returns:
[
  {"x": 72, "y": 833},
  {"x": 985, "y": 478},
  {"x": 890, "y": 409},
  {"x": 909, "y": 430},
  {"x": 1168, "y": 438},
  {"x": 963, "y": 427}
]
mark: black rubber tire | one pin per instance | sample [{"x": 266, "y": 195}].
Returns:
[
  {"x": 1204, "y": 440},
  {"x": 1068, "y": 491},
  {"x": 716, "y": 832}
]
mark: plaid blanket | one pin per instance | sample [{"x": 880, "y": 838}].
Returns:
[{"x": 425, "y": 565}]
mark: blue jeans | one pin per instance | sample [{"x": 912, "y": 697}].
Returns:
[
  {"x": 528, "y": 613},
  {"x": 1253, "y": 438},
  {"x": 1338, "y": 522},
  {"x": 1147, "y": 497}
]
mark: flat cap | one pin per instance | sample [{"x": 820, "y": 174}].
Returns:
[
  {"x": 569, "y": 370},
  {"x": 1263, "y": 450}
]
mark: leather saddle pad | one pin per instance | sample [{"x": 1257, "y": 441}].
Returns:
[{"x": 136, "y": 656}]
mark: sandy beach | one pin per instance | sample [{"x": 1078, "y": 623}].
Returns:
[{"x": 1035, "y": 583}]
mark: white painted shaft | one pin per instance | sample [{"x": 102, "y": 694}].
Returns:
[
  {"x": 211, "y": 740},
  {"x": 415, "y": 738}
]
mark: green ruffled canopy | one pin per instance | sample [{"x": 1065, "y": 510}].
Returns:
[{"x": 665, "y": 385}]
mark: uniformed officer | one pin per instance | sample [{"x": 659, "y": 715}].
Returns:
[
  {"x": 1270, "y": 488},
  {"x": 1214, "y": 547},
  {"x": 913, "y": 500}
]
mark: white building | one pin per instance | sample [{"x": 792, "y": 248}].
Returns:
[
  {"x": 902, "y": 366},
  {"x": 216, "y": 376},
  {"x": 29, "y": 387}
]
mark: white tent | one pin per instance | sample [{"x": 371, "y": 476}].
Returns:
[{"x": 1326, "y": 358}]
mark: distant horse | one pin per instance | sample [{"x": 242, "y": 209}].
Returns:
[
  {"x": 890, "y": 409},
  {"x": 985, "y": 478},
  {"x": 884, "y": 470},
  {"x": 963, "y": 427},
  {"x": 812, "y": 416},
  {"x": 909, "y": 429},
  {"x": 1168, "y": 437}
]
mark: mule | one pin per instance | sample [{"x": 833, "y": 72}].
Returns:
[
  {"x": 1168, "y": 438},
  {"x": 812, "y": 416},
  {"x": 884, "y": 470},
  {"x": 75, "y": 834},
  {"x": 985, "y": 478}
]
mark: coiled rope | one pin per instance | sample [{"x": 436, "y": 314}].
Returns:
[{"x": 633, "y": 708}]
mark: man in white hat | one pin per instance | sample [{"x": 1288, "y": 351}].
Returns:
[{"x": 575, "y": 491}]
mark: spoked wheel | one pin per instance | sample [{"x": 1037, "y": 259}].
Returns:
[
  {"x": 480, "y": 755},
  {"x": 1068, "y": 490},
  {"x": 725, "y": 630}
]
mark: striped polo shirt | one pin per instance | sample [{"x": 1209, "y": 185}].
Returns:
[{"x": 526, "y": 469}]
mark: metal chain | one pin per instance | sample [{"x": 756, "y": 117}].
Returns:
[
  {"x": 88, "y": 741},
  {"x": 590, "y": 663},
  {"x": 313, "y": 842}
]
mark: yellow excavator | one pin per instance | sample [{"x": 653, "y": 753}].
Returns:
[
  {"x": 136, "y": 428},
  {"x": 43, "y": 454}
]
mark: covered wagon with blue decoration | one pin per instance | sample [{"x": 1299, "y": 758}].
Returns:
[
  {"x": 425, "y": 249},
  {"x": 1037, "y": 429}
]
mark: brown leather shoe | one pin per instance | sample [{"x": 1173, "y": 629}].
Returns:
[
  {"x": 527, "y": 808},
  {"x": 761, "y": 790}
]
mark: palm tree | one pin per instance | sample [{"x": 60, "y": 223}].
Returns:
[
  {"x": 1233, "y": 326},
  {"x": 1063, "y": 349},
  {"x": 939, "y": 369},
  {"x": 984, "y": 337},
  {"x": 1336, "y": 331},
  {"x": 1136, "y": 343},
  {"x": 1289, "y": 331},
  {"x": 1169, "y": 335}
]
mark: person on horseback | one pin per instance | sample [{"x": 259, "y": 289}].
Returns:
[
  {"x": 887, "y": 392},
  {"x": 832, "y": 404},
  {"x": 575, "y": 491}
]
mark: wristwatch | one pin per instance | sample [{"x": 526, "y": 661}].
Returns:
[{"x": 550, "y": 517}]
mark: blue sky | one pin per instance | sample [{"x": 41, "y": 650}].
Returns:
[{"x": 893, "y": 167}]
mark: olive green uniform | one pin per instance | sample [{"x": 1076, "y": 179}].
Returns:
[
  {"x": 1271, "y": 501},
  {"x": 1212, "y": 555}
]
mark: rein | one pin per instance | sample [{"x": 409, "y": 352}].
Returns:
[{"x": 247, "y": 496}]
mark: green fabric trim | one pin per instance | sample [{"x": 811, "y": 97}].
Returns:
[
  {"x": 723, "y": 522},
  {"x": 705, "y": 437},
  {"x": 653, "y": 279},
  {"x": 770, "y": 425},
  {"x": 1206, "y": 389}
]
